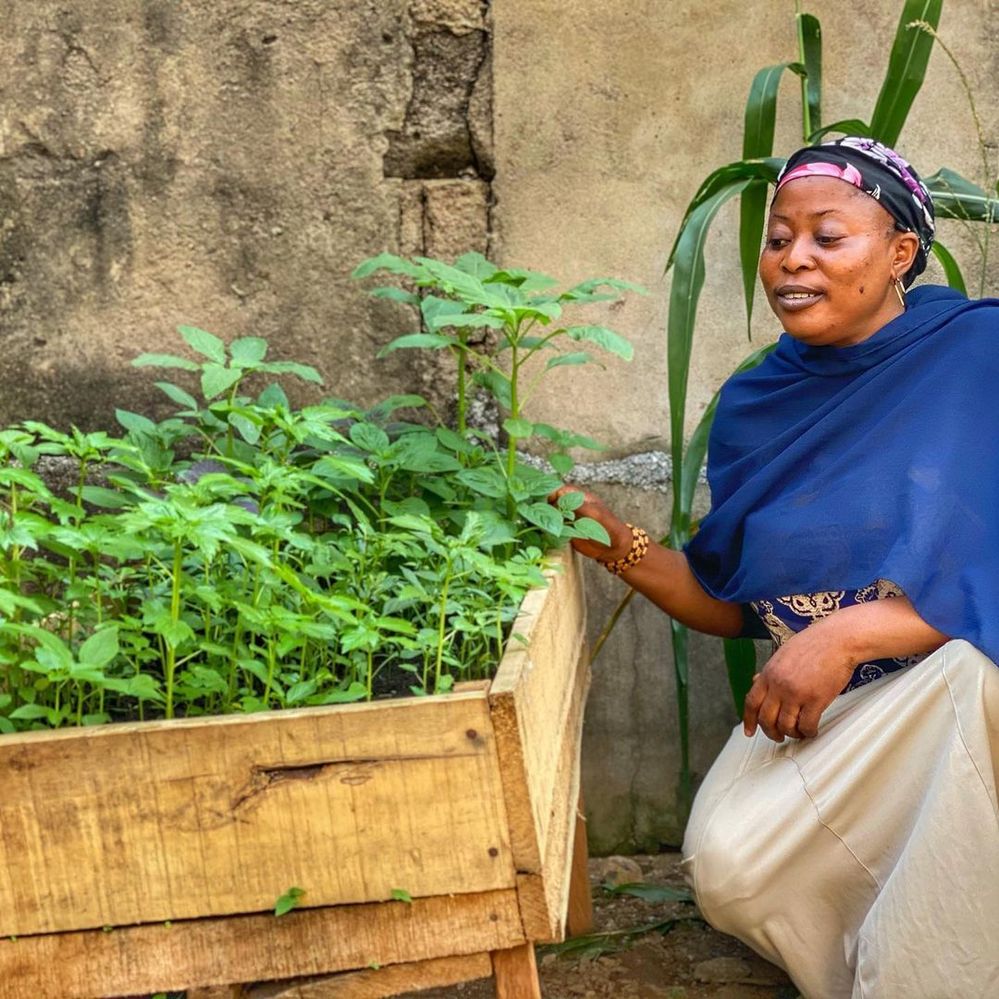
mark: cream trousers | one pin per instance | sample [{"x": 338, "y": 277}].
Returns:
[{"x": 865, "y": 861}]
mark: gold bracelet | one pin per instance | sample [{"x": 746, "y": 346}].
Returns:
[{"x": 639, "y": 547}]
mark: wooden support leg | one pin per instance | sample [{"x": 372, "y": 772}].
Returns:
[
  {"x": 515, "y": 972},
  {"x": 579, "y": 918}
]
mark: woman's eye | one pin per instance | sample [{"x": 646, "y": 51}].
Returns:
[
  {"x": 775, "y": 243},
  {"x": 825, "y": 240}
]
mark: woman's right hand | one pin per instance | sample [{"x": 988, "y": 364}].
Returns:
[{"x": 595, "y": 508}]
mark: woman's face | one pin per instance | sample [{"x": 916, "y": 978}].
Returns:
[{"x": 829, "y": 261}]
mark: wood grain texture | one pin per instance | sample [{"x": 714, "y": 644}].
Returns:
[
  {"x": 203, "y": 952},
  {"x": 579, "y": 914},
  {"x": 530, "y": 699},
  {"x": 162, "y": 821},
  {"x": 516, "y": 973},
  {"x": 386, "y": 981}
]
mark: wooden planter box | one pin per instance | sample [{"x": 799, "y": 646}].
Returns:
[{"x": 146, "y": 857}]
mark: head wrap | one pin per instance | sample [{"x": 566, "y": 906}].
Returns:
[{"x": 879, "y": 172}]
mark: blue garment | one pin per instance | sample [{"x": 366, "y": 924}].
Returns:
[{"x": 830, "y": 467}]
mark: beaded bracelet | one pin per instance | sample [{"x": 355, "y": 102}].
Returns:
[{"x": 639, "y": 547}]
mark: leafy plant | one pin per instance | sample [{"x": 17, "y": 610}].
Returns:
[
  {"x": 244, "y": 554},
  {"x": 288, "y": 901},
  {"x": 749, "y": 179}
]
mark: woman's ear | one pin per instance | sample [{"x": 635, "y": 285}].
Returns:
[{"x": 906, "y": 248}]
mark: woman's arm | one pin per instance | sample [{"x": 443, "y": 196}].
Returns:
[
  {"x": 808, "y": 671},
  {"x": 663, "y": 575}
]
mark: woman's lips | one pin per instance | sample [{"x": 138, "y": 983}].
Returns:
[{"x": 796, "y": 299}]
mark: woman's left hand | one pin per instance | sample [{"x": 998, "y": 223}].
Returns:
[{"x": 800, "y": 681}]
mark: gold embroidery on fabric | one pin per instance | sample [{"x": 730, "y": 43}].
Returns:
[
  {"x": 780, "y": 631},
  {"x": 814, "y": 605},
  {"x": 880, "y": 589}
]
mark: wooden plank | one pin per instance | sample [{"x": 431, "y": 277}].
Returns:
[
  {"x": 198, "y": 953},
  {"x": 381, "y": 982},
  {"x": 579, "y": 914},
  {"x": 544, "y": 894},
  {"x": 530, "y": 699},
  {"x": 142, "y": 823},
  {"x": 516, "y": 973}
]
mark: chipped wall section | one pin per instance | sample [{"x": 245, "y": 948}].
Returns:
[{"x": 227, "y": 166}]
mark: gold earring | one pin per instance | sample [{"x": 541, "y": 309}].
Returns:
[{"x": 900, "y": 291}]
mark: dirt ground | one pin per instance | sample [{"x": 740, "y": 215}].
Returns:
[{"x": 682, "y": 958}]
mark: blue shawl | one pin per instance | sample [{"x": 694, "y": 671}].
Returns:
[{"x": 832, "y": 467}]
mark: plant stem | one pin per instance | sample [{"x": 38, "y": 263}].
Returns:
[
  {"x": 441, "y": 626},
  {"x": 171, "y": 651}
]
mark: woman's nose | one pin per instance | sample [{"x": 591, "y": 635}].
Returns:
[{"x": 797, "y": 255}]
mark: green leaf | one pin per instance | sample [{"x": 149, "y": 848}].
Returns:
[
  {"x": 401, "y": 895},
  {"x": 587, "y": 527},
  {"x": 740, "y": 663},
  {"x": 954, "y": 197},
  {"x": 697, "y": 449},
  {"x": 304, "y": 371},
  {"x": 910, "y": 54},
  {"x": 216, "y": 379},
  {"x": 100, "y": 648},
  {"x": 248, "y": 429},
  {"x": 486, "y": 481},
  {"x": 604, "y": 338},
  {"x": 466, "y": 320},
  {"x": 386, "y": 262},
  {"x": 136, "y": 423},
  {"x": 575, "y": 357},
  {"x": 951, "y": 269},
  {"x": 688, "y": 279},
  {"x": 165, "y": 361},
  {"x": 206, "y": 344},
  {"x": 518, "y": 428},
  {"x": 810, "y": 54},
  {"x": 721, "y": 180},
  {"x": 248, "y": 351},
  {"x": 757, "y": 141},
  {"x": 368, "y": 437},
  {"x": 650, "y": 893},
  {"x": 543, "y": 515},
  {"x": 178, "y": 395},
  {"x": 31, "y": 712},
  {"x": 752, "y": 220},
  {"x": 570, "y": 502},
  {"x": 109, "y": 499},
  {"x": 288, "y": 901},
  {"x": 432, "y": 341},
  {"x": 475, "y": 264},
  {"x": 847, "y": 126}
]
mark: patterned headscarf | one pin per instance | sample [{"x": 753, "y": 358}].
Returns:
[{"x": 878, "y": 171}]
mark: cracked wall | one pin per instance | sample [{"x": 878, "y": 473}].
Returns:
[{"x": 226, "y": 166}]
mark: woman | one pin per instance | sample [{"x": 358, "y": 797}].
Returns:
[{"x": 849, "y": 830}]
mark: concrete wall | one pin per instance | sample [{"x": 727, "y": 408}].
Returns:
[{"x": 227, "y": 164}]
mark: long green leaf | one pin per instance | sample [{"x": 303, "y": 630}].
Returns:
[
  {"x": 954, "y": 197},
  {"x": 740, "y": 663},
  {"x": 910, "y": 54},
  {"x": 759, "y": 122},
  {"x": 953, "y": 273},
  {"x": 847, "y": 126},
  {"x": 688, "y": 279},
  {"x": 697, "y": 449},
  {"x": 810, "y": 55},
  {"x": 720, "y": 179}
]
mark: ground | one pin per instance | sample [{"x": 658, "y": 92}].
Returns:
[{"x": 681, "y": 958}]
